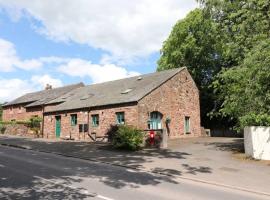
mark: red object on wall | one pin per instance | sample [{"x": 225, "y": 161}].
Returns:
[{"x": 152, "y": 135}]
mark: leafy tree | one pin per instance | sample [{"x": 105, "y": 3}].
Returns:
[
  {"x": 240, "y": 23},
  {"x": 244, "y": 28},
  {"x": 194, "y": 43},
  {"x": 244, "y": 90}
]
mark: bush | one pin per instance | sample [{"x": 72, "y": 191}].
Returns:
[
  {"x": 255, "y": 120},
  {"x": 112, "y": 132},
  {"x": 34, "y": 122},
  {"x": 128, "y": 138},
  {"x": 2, "y": 128}
]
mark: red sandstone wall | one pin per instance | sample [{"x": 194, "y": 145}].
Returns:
[
  {"x": 18, "y": 112},
  {"x": 107, "y": 117},
  {"x": 177, "y": 98}
]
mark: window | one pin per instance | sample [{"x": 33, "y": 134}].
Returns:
[
  {"x": 95, "y": 120},
  {"x": 83, "y": 128},
  {"x": 120, "y": 118},
  {"x": 187, "y": 125},
  {"x": 73, "y": 119}
]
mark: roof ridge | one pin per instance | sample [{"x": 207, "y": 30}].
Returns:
[
  {"x": 141, "y": 75},
  {"x": 65, "y": 86}
]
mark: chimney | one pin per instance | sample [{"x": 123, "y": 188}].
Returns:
[{"x": 48, "y": 87}]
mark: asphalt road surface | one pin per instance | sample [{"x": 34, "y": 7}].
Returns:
[{"x": 26, "y": 174}]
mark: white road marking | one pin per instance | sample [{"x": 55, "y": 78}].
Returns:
[
  {"x": 103, "y": 197},
  {"x": 72, "y": 187}
]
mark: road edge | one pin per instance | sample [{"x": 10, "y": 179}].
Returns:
[{"x": 143, "y": 170}]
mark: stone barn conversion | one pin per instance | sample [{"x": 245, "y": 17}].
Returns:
[
  {"x": 32, "y": 104},
  {"x": 167, "y": 99},
  {"x": 161, "y": 100}
]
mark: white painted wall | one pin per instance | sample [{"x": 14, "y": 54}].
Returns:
[{"x": 257, "y": 142}]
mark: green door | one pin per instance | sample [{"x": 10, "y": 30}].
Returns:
[{"x": 57, "y": 126}]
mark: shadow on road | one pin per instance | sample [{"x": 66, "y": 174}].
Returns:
[
  {"x": 235, "y": 146},
  {"x": 28, "y": 174}
]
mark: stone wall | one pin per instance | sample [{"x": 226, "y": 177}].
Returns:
[
  {"x": 19, "y": 130},
  {"x": 257, "y": 142},
  {"x": 20, "y": 113},
  {"x": 107, "y": 117},
  {"x": 175, "y": 99}
]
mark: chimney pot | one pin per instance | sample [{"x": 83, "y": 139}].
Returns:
[{"x": 48, "y": 87}]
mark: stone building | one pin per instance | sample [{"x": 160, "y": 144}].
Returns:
[
  {"x": 161, "y": 100},
  {"x": 32, "y": 104}
]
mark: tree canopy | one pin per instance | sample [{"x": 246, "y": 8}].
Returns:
[
  {"x": 192, "y": 43},
  {"x": 225, "y": 46}
]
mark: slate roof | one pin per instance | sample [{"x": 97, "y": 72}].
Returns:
[
  {"x": 44, "y": 96},
  {"x": 113, "y": 92}
]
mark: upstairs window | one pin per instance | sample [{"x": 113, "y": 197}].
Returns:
[
  {"x": 95, "y": 120},
  {"x": 120, "y": 118},
  {"x": 73, "y": 119}
]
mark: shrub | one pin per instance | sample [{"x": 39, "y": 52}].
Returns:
[
  {"x": 128, "y": 138},
  {"x": 255, "y": 120},
  {"x": 112, "y": 132},
  {"x": 34, "y": 122},
  {"x": 2, "y": 128}
]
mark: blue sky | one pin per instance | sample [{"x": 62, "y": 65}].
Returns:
[{"x": 64, "y": 42}]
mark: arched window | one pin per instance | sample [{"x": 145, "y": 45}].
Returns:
[{"x": 155, "y": 120}]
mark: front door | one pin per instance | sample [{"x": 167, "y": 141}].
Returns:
[{"x": 57, "y": 126}]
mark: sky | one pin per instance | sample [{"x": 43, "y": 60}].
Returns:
[{"x": 65, "y": 41}]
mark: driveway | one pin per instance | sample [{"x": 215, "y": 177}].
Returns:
[{"x": 211, "y": 160}]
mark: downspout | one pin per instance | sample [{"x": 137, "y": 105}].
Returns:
[
  {"x": 42, "y": 126},
  {"x": 88, "y": 123}
]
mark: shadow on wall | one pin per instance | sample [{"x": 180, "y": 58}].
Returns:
[{"x": 50, "y": 176}]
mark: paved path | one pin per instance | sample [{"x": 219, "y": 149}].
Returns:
[
  {"x": 205, "y": 159},
  {"x": 27, "y": 174}
]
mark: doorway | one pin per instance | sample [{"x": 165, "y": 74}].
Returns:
[{"x": 57, "y": 126}]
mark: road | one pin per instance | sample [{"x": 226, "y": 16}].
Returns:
[{"x": 26, "y": 174}]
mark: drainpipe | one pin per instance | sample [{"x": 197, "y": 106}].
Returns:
[
  {"x": 88, "y": 123},
  {"x": 42, "y": 126}
]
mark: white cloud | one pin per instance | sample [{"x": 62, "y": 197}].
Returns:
[
  {"x": 124, "y": 29},
  {"x": 13, "y": 88},
  {"x": 97, "y": 73},
  {"x": 9, "y": 59},
  {"x": 46, "y": 79}
]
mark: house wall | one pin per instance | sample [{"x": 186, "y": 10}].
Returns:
[
  {"x": 66, "y": 129},
  {"x": 175, "y": 99},
  {"x": 107, "y": 117},
  {"x": 19, "y": 112}
]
